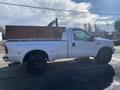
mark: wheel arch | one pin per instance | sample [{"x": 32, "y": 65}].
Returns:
[
  {"x": 101, "y": 58},
  {"x": 34, "y": 52},
  {"x": 105, "y": 47}
]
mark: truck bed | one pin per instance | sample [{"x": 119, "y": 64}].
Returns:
[{"x": 54, "y": 48}]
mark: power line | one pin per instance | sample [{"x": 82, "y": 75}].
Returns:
[
  {"x": 54, "y": 9},
  {"x": 37, "y": 7},
  {"x": 112, "y": 14}
]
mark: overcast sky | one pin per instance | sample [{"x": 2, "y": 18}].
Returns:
[
  {"x": 28, "y": 16},
  {"x": 14, "y": 15},
  {"x": 103, "y": 6}
]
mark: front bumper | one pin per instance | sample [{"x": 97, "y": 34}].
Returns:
[
  {"x": 116, "y": 42},
  {"x": 113, "y": 50}
]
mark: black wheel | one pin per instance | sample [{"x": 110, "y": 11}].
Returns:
[
  {"x": 104, "y": 56},
  {"x": 36, "y": 64}
]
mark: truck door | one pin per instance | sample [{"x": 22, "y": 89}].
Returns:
[{"x": 82, "y": 44}]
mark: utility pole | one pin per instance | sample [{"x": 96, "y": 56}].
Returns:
[{"x": 56, "y": 22}]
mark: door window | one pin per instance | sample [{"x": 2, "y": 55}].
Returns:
[{"x": 79, "y": 34}]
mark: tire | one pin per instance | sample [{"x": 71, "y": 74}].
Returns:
[
  {"x": 104, "y": 56},
  {"x": 36, "y": 64}
]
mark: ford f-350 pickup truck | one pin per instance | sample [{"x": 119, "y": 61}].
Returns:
[{"x": 74, "y": 43}]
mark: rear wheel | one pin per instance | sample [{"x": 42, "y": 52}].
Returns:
[
  {"x": 104, "y": 56},
  {"x": 36, "y": 64}
]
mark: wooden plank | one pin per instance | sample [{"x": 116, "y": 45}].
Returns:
[{"x": 34, "y": 32}]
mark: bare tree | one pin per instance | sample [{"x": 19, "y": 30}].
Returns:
[
  {"x": 2, "y": 30},
  {"x": 89, "y": 28},
  {"x": 117, "y": 25}
]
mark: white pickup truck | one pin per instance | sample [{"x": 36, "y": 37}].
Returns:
[{"x": 75, "y": 42}]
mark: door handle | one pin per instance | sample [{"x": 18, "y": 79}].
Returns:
[{"x": 73, "y": 44}]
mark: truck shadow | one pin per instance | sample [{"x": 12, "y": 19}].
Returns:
[{"x": 78, "y": 74}]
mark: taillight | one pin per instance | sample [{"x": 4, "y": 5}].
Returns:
[{"x": 6, "y": 49}]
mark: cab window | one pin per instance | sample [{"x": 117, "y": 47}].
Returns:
[{"x": 79, "y": 34}]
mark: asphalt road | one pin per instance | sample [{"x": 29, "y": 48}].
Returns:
[{"x": 79, "y": 74}]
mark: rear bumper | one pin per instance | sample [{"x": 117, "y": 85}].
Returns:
[
  {"x": 12, "y": 58},
  {"x": 5, "y": 58}
]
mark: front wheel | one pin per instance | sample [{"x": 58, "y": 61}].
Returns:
[
  {"x": 36, "y": 64},
  {"x": 104, "y": 56}
]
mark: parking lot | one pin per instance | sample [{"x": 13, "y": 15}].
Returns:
[{"x": 72, "y": 74}]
